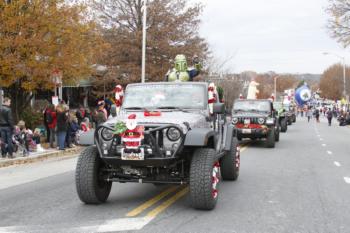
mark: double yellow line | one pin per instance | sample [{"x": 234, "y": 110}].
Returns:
[
  {"x": 153, "y": 213},
  {"x": 179, "y": 191}
]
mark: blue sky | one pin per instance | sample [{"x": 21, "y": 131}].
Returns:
[{"x": 279, "y": 35}]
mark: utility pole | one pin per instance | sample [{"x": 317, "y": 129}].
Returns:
[
  {"x": 344, "y": 78},
  {"x": 144, "y": 31},
  {"x": 275, "y": 89},
  {"x": 1, "y": 96}
]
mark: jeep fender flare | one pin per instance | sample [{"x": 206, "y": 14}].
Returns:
[
  {"x": 200, "y": 137},
  {"x": 229, "y": 133}
]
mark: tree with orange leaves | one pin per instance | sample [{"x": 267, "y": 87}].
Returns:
[{"x": 38, "y": 37}]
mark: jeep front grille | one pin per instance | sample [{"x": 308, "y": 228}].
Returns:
[{"x": 253, "y": 120}]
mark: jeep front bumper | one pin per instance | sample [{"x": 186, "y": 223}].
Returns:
[{"x": 153, "y": 151}]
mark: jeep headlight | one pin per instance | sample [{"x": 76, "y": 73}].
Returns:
[
  {"x": 270, "y": 121},
  {"x": 261, "y": 120},
  {"x": 107, "y": 134},
  {"x": 234, "y": 120},
  {"x": 173, "y": 134}
]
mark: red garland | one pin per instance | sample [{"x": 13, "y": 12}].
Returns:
[
  {"x": 249, "y": 126},
  {"x": 150, "y": 114}
]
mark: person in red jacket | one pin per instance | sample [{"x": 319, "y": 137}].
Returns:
[{"x": 51, "y": 120}]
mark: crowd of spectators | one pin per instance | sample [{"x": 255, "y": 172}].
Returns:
[
  {"x": 62, "y": 127},
  {"x": 330, "y": 112}
]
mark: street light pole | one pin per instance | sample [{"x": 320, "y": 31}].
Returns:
[
  {"x": 1, "y": 96},
  {"x": 275, "y": 87},
  {"x": 344, "y": 78},
  {"x": 144, "y": 31}
]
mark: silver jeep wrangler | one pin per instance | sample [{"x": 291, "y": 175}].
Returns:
[{"x": 178, "y": 139}]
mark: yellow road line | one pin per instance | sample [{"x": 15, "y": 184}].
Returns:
[
  {"x": 243, "y": 148},
  {"x": 138, "y": 210},
  {"x": 151, "y": 202},
  {"x": 167, "y": 203}
]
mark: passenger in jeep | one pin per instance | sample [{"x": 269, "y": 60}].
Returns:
[{"x": 181, "y": 72}]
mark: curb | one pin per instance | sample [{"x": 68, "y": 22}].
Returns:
[{"x": 54, "y": 154}]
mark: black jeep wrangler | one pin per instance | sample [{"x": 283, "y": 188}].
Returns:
[
  {"x": 256, "y": 119},
  {"x": 178, "y": 139}
]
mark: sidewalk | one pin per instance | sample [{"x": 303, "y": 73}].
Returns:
[{"x": 40, "y": 156}]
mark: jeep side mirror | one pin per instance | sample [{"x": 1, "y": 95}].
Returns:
[{"x": 219, "y": 108}]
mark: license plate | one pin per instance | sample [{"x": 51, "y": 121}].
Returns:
[
  {"x": 246, "y": 131},
  {"x": 133, "y": 156}
]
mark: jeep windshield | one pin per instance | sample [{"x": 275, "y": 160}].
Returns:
[
  {"x": 166, "y": 96},
  {"x": 251, "y": 106}
]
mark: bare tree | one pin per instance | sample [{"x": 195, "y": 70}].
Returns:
[
  {"x": 339, "y": 23},
  {"x": 172, "y": 28},
  {"x": 232, "y": 87},
  {"x": 331, "y": 83}
]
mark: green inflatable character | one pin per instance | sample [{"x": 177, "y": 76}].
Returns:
[{"x": 181, "y": 73}]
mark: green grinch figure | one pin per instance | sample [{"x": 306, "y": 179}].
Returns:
[{"x": 181, "y": 73}]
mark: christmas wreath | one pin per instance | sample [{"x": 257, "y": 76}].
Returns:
[{"x": 120, "y": 128}]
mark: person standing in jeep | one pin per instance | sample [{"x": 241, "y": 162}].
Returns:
[{"x": 6, "y": 128}]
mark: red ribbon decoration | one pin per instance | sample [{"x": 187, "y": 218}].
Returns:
[{"x": 150, "y": 114}]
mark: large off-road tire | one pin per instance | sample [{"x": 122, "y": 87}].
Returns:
[
  {"x": 294, "y": 119},
  {"x": 277, "y": 134},
  {"x": 290, "y": 121},
  {"x": 284, "y": 125},
  {"x": 90, "y": 187},
  {"x": 204, "y": 179},
  {"x": 271, "y": 139},
  {"x": 230, "y": 162}
]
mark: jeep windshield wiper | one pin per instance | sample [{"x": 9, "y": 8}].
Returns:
[
  {"x": 172, "y": 108},
  {"x": 136, "y": 108}
]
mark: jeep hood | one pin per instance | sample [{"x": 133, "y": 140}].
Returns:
[{"x": 194, "y": 119}]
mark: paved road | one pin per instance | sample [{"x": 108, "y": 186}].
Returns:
[{"x": 303, "y": 185}]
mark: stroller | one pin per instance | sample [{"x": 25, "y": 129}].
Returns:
[
  {"x": 19, "y": 142},
  {"x": 24, "y": 141}
]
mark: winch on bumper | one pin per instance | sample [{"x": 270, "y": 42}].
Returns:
[{"x": 148, "y": 149}]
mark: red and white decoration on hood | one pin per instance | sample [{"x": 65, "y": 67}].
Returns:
[
  {"x": 118, "y": 97},
  {"x": 134, "y": 134},
  {"x": 211, "y": 97}
]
